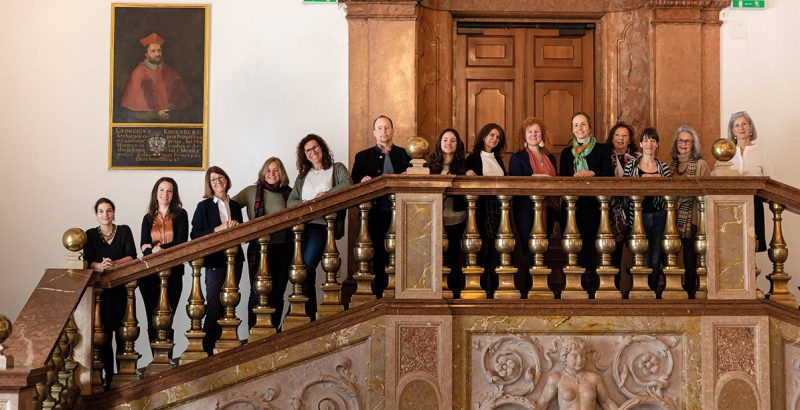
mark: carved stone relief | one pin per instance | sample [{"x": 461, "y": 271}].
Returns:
[
  {"x": 792, "y": 375},
  {"x": 551, "y": 372}
]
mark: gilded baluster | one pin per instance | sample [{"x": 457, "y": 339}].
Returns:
[
  {"x": 195, "y": 309},
  {"x": 638, "y": 244},
  {"x": 391, "y": 243},
  {"x": 673, "y": 273},
  {"x": 129, "y": 332},
  {"x": 70, "y": 364},
  {"x": 605, "y": 245},
  {"x": 701, "y": 247},
  {"x": 538, "y": 242},
  {"x": 54, "y": 379},
  {"x": 471, "y": 245},
  {"x": 778, "y": 253},
  {"x": 98, "y": 341},
  {"x": 297, "y": 275},
  {"x": 504, "y": 244},
  {"x": 447, "y": 293},
  {"x": 331, "y": 262},
  {"x": 263, "y": 286},
  {"x": 364, "y": 253},
  {"x": 40, "y": 395},
  {"x": 64, "y": 373},
  {"x": 162, "y": 322},
  {"x": 572, "y": 244},
  {"x": 229, "y": 297}
]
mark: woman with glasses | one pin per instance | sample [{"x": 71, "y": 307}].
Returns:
[
  {"x": 688, "y": 163},
  {"x": 216, "y": 213},
  {"x": 317, "y": 176},
  {"x": 750, "y": 159},
  {"x": 622, "y": 144}
]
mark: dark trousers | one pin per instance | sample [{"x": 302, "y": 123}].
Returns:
[
  {"x": 379, "y": 221},
  {"x": 452, "y": 258},
  {"x": 112, "y": 311},
  {"x": 690, "y": 263},
  {"x": 150, "y": 288},
  {"x": 314, "y": 238},
  {"x": 654, "y": 225},
  {"x": 279, "y": 259},
  {"x": 215, "y": 280}
]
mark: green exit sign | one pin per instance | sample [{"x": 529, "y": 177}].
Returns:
[
  {"x": 748, "y": 4},
  {"x": 319, "y": 1}
]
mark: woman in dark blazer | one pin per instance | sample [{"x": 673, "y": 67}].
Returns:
[
  {"x": 533, "y": 160},
  {"x": 585, "y": 157},
  {"x": 216, "y": 213},
  {"x": 165, "y": 225}
]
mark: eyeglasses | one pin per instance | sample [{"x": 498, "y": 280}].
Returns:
[
  {"x": 684, "y": 142},
  {"x": 312, "y": 149}
]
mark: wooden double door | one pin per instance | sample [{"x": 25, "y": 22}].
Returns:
[{"x": 503, "y": 75}]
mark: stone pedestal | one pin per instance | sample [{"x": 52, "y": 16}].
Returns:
[{"x": 418, "y": 265}]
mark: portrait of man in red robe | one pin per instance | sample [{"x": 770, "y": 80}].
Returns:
[{"x": 154, "y": 92}]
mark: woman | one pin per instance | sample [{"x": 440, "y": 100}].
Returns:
[
  {"x": 533, "y": 160},
  {"x": 687, "y": 163},
  {"x": 750, "y": 159},
  {"x": 165, "y": 225},
  {"x": 447, "y": 158},
  {"x": 216, "y": 213},
  {"x": 585, "y": 158},
  {"x": 623, "y": 152},
  {"x": 654, "y": 208},
  {"x": 317, "y": 176},
  {"x": 486, "y": 160},
  {"x": 267, "y": 196},
  {"x": 107, "y": 246}
]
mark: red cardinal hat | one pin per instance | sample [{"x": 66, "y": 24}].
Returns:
[{"x": 152, "y": 38}]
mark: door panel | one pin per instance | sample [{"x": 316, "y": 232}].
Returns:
[
  {"x": 555, "y": 101},
  {"x": 492, "y": 102}
]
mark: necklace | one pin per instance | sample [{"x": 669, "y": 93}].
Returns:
[
  {"x": 685, "y": 168},
  {"x": 110, "y": 237}
]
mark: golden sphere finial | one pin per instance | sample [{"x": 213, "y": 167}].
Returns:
[
  {"x": 723, "y": 149},
  {"x": 74, "y": 239},
  {"x": 5, "y": 328},
  {"x": 417, "y": 147}
]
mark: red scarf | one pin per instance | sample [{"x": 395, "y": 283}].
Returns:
[{"x": 542, "y": 167}]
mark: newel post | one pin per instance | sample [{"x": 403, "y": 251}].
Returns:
[{"x": 418, "y": 253}]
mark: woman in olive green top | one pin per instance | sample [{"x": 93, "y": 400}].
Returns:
[{"x": 268, "y": 195}]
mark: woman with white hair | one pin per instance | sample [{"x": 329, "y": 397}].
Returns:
[{"x": 750, "y": 159}]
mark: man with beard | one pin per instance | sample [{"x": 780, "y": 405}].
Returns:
[{"x": 154, "y": 92}]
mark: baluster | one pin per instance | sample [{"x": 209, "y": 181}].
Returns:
[
  {"x": 391, "y": 243},
  {"x": 162, "y": 322},
  {"x": 778, "y": 253},
  {"x": 297, "y": 275},
  {"x": 69, "y": 363},
  {"x": 49, "y": 399},
  {"x": 229, "y": 297},
  {"x": 638, "y": 244},
  {"x": 701, "y": 247},
  {"x": 54, "y": 374},
  {"x": 672, "y": 247},
  {"x": 64, "y": 373},
  {"x": 504, "y": 244},
  {"x": 572, "y": 244},
  {"x": 447, "y": 293},
  {"x": 98, "y": 341},
  {"x": 195, "y": 309},
  {"x": 471, "y": 245},
  {"x": 263, "y": 286},
  {"x": 331, "y": 262},
  {"x": 364, "y": 254},
  {"x": 41, "y": 393},
  {"x": 538, "y": 244},
  {"x": 129, "y": 332},
  {"x": 605, "y": 245}
]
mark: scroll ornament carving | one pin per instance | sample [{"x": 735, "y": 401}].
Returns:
[
  {"x": 255, "y": 400},
  {"x": 640, "y": 367},
  {"x": 794, "y": 401},
  {"x": 339, "y": 392}
]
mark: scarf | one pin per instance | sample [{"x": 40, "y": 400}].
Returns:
[
  {"x": 581, "y": 151},
  {"x": 686, "y": 203},
  {"x": 260, "y": 187},
  {"x": 543, "y": 166}
]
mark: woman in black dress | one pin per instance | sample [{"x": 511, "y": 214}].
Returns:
[
  {"x": 165, "y": 225},
  {"x": 107, "y": 246}
]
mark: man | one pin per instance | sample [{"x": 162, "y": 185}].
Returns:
[
  {"x": 154, "y": 91},
  {"x": 383, "y": 158}
]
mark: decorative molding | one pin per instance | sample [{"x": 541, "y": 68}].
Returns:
[
  {"x": 734, "y": 350},
  {"x": 338, "y": 392},
  {"x": 419, "y": 350}
]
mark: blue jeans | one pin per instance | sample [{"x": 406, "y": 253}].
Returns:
[
  {"x": 215, "y": 279},
  {"x": 314, "y": 239},
  {"x": 654, "y": 225}
]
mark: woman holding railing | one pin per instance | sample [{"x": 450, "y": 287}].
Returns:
[
  {"x": 107, "y": 246},
  {"x": 486, "y": 159},
  {"x": 688, "y": 163},
  {"x": 654, "y": 208},
  {"x": 267, "y": 196},
  {"x": 317, "y": 176},
  {"x": 216, "y": 213},
  {"x": 447, "y": 158},
  {"x": 165, "y": 225}
]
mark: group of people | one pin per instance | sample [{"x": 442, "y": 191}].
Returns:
[{"x": 166, "y": 222}]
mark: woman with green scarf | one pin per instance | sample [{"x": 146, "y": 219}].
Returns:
[{"x": 584, "y": 157}]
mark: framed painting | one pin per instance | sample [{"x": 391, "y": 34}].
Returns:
[{"x": 159, "y": 87}]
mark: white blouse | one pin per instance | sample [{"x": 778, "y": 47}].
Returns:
[
  {"x": 490, "y": 166},
  {"x": 753, "y": 162}
]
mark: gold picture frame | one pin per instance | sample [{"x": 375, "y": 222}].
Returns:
[{"x": 158, "y": 110}]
